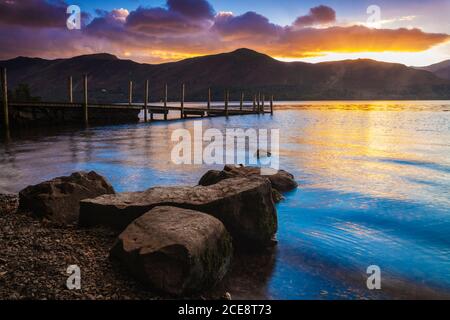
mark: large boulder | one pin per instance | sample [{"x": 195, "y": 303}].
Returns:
[
  {"x": 244, "y": 205},
  {"x": 175, "y": 250},
  {"x": 281, "y": 180},
  {"x": 58, "y": 199}
]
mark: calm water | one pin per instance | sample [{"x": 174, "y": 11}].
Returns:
[{"x": 374, "y": 190}]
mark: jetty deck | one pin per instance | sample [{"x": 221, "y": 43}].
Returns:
[{"x": 18, "y": 113}]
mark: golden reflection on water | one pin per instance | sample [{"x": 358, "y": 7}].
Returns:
[{"x": 372, "y": 147}]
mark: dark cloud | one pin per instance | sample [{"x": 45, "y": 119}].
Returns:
[
  {"x": 197, "y": 9},
  {"x": 250, "y": 24},
  {"x": 33, "y": 13},
  {"x": 181, "y": 16},
  {"x": 317, "y": 15}
]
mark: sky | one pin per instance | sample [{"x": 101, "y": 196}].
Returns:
[{"x": 411, "y": 32}]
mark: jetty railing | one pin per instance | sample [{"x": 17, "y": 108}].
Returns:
[{"x": 255, "y": 106}]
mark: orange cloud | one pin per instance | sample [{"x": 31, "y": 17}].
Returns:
[{"x": 309, "y": 41}]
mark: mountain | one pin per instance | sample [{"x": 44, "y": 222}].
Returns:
[
  {"x": 242, "y": 69},
  {"x": 441, "y": 69}
]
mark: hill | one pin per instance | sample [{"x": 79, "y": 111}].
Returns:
[{"x": 242, "y": 69}]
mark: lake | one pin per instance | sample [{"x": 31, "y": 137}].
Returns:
[{"x": 374, "y": 189}]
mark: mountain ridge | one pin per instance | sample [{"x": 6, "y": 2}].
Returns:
[{"x": 242, "y": 69}]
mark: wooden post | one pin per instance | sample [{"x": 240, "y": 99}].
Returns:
[
  {"x": 183, "y": 88},
  {"x": 209, "y": 98},
  {"x": 263, "y": 103},
  {"x": 5, "y": 100},
  {"x": 165, "y": 101},
  {"x": 259, "y": 102},
  {"x": 241, "y": 106},
  {"x": 85, "y": 102},
  {"x": 70, "y": 89},
  {"x": 254, "y": 102},
  {"x": 227, "y": 96},
  {"x": 130, "y": 93},
  {"x": 146, "y": 100},
  {"x": 271, "y": 104}
]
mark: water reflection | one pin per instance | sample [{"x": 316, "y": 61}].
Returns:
[{"x": 374, "y": 189}]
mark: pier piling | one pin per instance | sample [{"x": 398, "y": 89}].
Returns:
[
  {"x": 241, "y": 106},
  {"x": 85, "y": 102},
  {"x": 254, "y": 102},
  {"x": 227, "y": 97},
  {"x": 259, "y": 102},
  {"x": 5, "y": 99},
  {"x": 183, "y": 88},
  {"x": 271, "y": 104},
  {"x": 209, "y": 99},
  {"x": 263, "y": 101},
  {"x": 70, "y": 88},
  {"x": 146, "y": 101},
  {"x": 165, "y": 101},
  {"x": 130, "y": 93}
]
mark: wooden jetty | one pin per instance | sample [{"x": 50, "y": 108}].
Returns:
[{"x": 85, "y": 112}]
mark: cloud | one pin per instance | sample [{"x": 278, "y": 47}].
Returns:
[
  {"x": 247, "y": 25},
  {"x": 316, "y": 16},
  {"x": 185, "y": 28},
  {"x": 33, "y": 13},
  {"x": 161, "y": 21},
  {"x": 311, "y": 41},
  {"x": 197, "y": 9}
]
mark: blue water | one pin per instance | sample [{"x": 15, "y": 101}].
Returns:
[{"x": 374, "y": 181}]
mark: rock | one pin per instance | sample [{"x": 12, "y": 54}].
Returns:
[
  {"x": 226, "y": 296},
  {"x": 174, "y": 250},
  {"x": 282, "y": 180},
  {"x": 58, "y": 199},
  {"x": 277, "y": 196},
  {"x": 244, "y": 205},
  {"x": 8, "y": 203}
]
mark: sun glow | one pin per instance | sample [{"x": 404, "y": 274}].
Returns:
[{"x": 423, "y": 58}]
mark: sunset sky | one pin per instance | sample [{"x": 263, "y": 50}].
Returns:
[{"x": 412, "y": 32}]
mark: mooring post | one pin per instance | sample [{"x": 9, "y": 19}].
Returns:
[
  {"x": 70, "y": 89},
  {"x": 5, "y": 100},
  {"x": 209, "y": 99},
  {"x": 165, "y": 101},
  {"x": 271, "y": 104},
  {"x": 241, "y": 106},
  {"x": 183, "y": 88},
  {"x": 259, "y": 102},
  {"x": 145, "y": 100},
  {"x": 130, "y": 93},
  {"x": 227, "y": 97},
  {"x": 85, "y": 102},
  {"x": 263, "y": 103}
]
